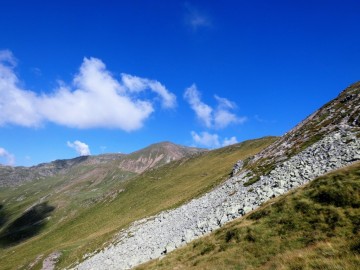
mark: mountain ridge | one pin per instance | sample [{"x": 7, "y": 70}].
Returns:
[
  {"x": 138, "y": 161},
  {"x": 341, "y": 113}
]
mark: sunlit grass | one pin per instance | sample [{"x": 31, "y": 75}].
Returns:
[
  {"x": 315, "y": 227},
  {"x": 77, "y": 229}
]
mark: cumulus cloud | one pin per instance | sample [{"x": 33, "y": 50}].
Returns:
[
  {"x": 209, "y": 140},
  {"x": 81, "y": 148},
  {"x": 202, "y": 111},
  {"x": 7, "y": 58},
  {"x": 229, "y": 141},
  {"x": 94, "y": 99},
  {"x": 9, "y": 158},
  {"x": 217, "y": 118},
  {"x": 223, "y": 118},
  {"x": 137, "y": 84},
  {"x": 206, "y": 139}
]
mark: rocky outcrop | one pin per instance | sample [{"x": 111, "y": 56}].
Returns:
[
  {"x": 50, "y": 261},
  {"x": 339, "y": 113},
  {"x": 237, "y": 167},
  {"x": 153, "y": 237}
]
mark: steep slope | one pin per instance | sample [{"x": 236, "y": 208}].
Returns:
[
  {"x": 85, "y": 225},
  {"x": 299, "y": 158},
  {"x": 342, "y": 113},
  {"x": 315, "y": 227}
]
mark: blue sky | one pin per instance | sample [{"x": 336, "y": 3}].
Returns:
[{"x": 80, "y": 77}]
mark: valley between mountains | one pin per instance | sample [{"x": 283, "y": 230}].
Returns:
[{"x": 194, "y": 208}]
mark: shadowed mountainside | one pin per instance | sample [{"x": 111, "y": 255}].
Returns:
[{"x": 27, "y": 225}]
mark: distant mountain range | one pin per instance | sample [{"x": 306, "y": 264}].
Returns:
[{"x": 136, "y": 162}]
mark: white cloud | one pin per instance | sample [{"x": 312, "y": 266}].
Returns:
[
  {"x": 217, "y": 118},
  {"x": 224, "y": 103},
  {"x": 206, "y": 139},
  {"x": 137, "y": 84},
  {"x": 223, "y": 118},
  {"x": 96, "y": 99},
  {"x": 202, "y": 111},
  {"x": 195, "y": 18},
  {"x": 229, "y": 141},
  {"x": 209, "y": 140},
  {"x": 81, "y": 148},
  {"x": 7, "y": 57},
  {"x": 9, "y": 158}
]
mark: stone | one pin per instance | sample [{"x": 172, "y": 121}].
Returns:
[
  {"x": 237, "y": 167},
  {"x": 152, "y": 237},
  {"x": 189, "y": 236}
]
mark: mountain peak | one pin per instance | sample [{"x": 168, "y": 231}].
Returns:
[{"x": 157, "y": 154}]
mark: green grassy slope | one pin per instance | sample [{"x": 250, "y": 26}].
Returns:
[
  {"x": 314, "y": 227},
  {"x": 82, "y": 228}
]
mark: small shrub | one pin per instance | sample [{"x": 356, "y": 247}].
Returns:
[
  {"x": 338, "y": 194},
  {"x": 250, "y": 236},
  {"x": 355, "y": 246},
  {"x": 332, "y": 217},
  {"x": 252, "y": 181},
  {"x": 259, "y": 214},
  {"x": 232, "y": 234},
  {"x": 303, "y": 206}
]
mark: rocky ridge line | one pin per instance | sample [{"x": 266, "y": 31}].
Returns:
[
  {"x": 137, "y": 162},
  {"x": 155, "y": 236}
]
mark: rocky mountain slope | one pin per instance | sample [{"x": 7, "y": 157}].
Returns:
[
  {"x": 315, "y": 227},
  {"x": 80, "y": 211},
  {"x": 326, "y": 140},
  {"x": 342, "y": 113},
  {"x": 136, "y": 162}
]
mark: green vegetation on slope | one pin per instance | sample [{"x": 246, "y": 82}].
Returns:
[
  {"x": 82, "y": 230},
  {"x": 343, "y": 110},
  {"x": 315, "y": 227}
]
